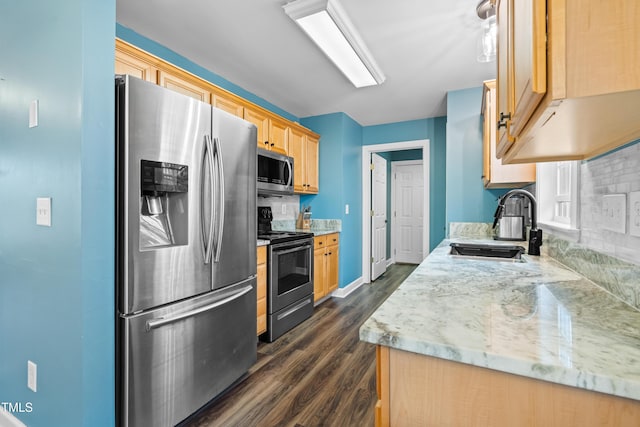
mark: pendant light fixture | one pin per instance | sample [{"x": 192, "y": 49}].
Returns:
[{"x": 487, "y": 43}]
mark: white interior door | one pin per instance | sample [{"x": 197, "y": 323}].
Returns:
[
  {"x": 379, "y": 216},
  {"x": 408, "y": 198}
]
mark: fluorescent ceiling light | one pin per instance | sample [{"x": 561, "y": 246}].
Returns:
[{"x": 326, "y": 23}]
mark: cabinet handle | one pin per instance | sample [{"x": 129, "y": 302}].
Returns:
[
  {"x": 266, "y": 143},
  {"x": 503, "y": 120},
  {"x": 273, "y": 144}
]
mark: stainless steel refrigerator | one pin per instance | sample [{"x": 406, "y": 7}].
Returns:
[{"x": 186, "y": 257}]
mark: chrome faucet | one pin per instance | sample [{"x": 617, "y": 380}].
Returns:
[{"x": 535, "y": 235}]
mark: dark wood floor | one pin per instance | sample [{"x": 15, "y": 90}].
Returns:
[{"x": 318, "y": 374}]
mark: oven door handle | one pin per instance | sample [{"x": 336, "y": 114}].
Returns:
[{"x": 290, "y": 249}]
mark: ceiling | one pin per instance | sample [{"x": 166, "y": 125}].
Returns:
[{"x": 425, "y": 48}]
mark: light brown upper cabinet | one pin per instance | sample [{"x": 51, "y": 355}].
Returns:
[
  {"x": 228, "y": 103},
  {"x": 568, "y": 81},
  {"x": 521, "y": 65},
  {"x": 494, "y": 173},
  {"x": 184, "y": 86},
  {"x": 272, "y": 132},
  {"x": 128, "y": 63},
  {"x": 303, "y": 147}
]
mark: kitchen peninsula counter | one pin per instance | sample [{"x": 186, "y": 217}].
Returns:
[{"x": 534, "y": 319}]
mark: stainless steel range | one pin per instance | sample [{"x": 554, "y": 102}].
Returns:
[{"x": 290, "y": 277}]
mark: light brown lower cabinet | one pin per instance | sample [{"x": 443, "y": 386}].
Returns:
[
  {"x": 261, "y": 290},
  {"x": 325, "y": 264},
  {"x": 418, "y": 390}
]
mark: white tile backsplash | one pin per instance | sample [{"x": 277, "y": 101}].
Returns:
[
  {"x": 291, "y": 206},
  {"x": 615, "y": 173}
]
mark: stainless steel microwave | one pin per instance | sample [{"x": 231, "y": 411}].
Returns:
[{"x": 275, "y": 173}]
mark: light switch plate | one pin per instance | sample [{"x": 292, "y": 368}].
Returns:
[
  {"x": 32, "y": 376},
  {"x": 634, "y": 213},
  {"x": 33, "y": 113},
  {"x": 614, "y": 212},
  {"x": 43, "y": 211}
]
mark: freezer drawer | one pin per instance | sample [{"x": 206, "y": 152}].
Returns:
[{"x": 178, "y": 357}]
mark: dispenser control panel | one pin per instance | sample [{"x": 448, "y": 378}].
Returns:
[{"x": 162, "y": 177}]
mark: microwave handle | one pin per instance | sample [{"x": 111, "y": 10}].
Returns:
[{"x": 290, "y": 167}]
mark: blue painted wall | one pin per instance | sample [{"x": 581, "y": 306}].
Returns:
[
  {"x": 342, "y": 137},
  {"x": 466, "y": 198},
  {"x": 340, "y": 184},
  {"x": 56, "y": 283}
]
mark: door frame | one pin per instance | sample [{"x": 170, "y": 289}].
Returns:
[
  {"x": 422, "y": 144},
  {"x": 394, "y": 224}
]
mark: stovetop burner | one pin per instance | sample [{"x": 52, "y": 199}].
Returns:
[{"x": 265, "y": 232}]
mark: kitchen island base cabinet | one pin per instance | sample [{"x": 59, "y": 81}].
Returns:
[{"x": 414, "y": 390}]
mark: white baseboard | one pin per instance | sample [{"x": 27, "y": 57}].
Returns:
[
  {"x": 391, "y": 261},
  {"x": 343, "y": 292},
  {"x": 8, "y": 420}
]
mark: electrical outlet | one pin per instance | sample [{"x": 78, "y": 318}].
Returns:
[
  {"x": 32, "y": 375},
  {"x": 614, "y": 212},
  {"x": 634, "y": 213},
  {"x": 284, "y": 209}
]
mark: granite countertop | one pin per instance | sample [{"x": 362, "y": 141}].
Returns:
[
  {"x": 319, "y": 227},
  {"x": 537, "y": 319},
  {"x": 262, "y": 242}
]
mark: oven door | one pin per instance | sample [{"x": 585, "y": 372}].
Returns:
[{"x": 290, "y": 273}]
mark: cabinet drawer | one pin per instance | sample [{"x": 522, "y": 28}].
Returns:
[
  {"x": 333, "y": 239},
  {"x": 319, "y": 242}
]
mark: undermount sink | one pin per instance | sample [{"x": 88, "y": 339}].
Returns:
[{"x": 487, "y": 251}]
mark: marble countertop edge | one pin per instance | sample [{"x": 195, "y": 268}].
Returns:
[{"x": 602, "y": 351}]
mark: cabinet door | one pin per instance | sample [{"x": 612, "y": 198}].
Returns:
[
  {"x": 261, "y": 120},
  {"x": 261, "y": 293},
  {"x": 297, "y": 150},
  {"x": 312, "y": 179},
  {"x": 278, "y": 135},
  {"x": 522, "y": 65},
  {"x": 332, "y": 267},
  {"x": 504, "y": 101},
  {"x": 496, "y": 174},
  {"x": 128, "y": 64},
  {"x": 319, "y": 289},
  {"x": 184, "y": 86},
  {"x": 529, "y": 60},
  {"x": 229, "y": 105}
]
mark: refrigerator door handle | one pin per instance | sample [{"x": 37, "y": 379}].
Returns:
[
  {"x": 220, "y": 205},
  {"x": 207, "y": 158},
  {"x": 161, "y": 321}
]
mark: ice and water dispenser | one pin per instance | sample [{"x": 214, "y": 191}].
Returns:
[{"x": 164, "y": 204}]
